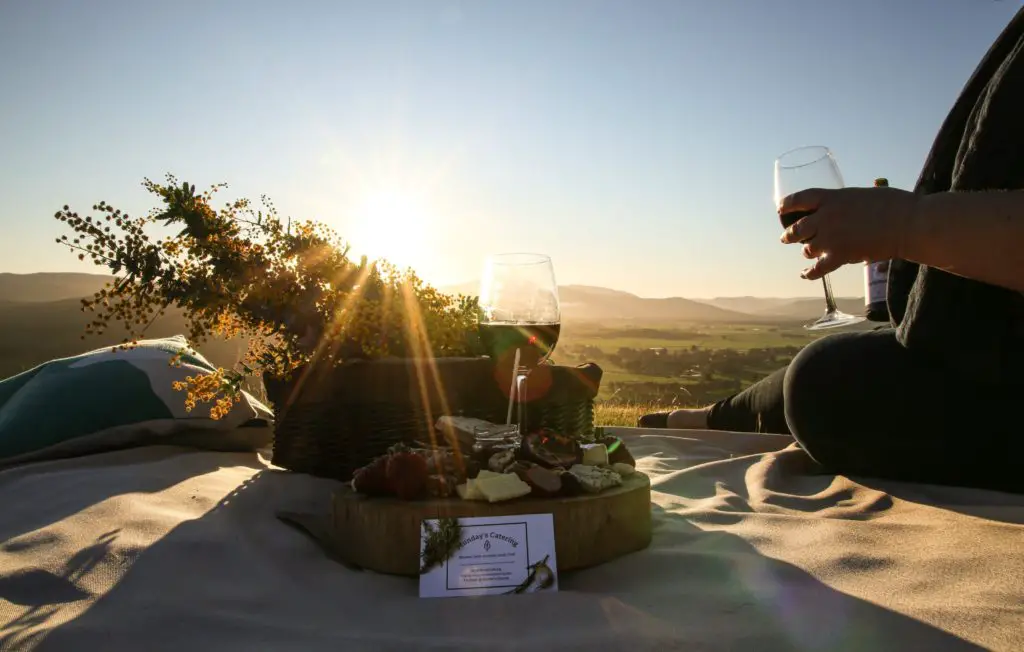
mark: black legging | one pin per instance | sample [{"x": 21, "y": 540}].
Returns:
[{"x": 860, "y": 403}]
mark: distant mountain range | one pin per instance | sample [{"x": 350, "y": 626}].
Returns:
[
  {"x": 796, "y": 309},
  {"x": 41, "y": 318},
  {"x": 35, "y": 305},
  {"x": 590, "y": 303}
]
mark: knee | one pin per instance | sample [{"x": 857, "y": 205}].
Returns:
[{"x": 814, "y": 393}]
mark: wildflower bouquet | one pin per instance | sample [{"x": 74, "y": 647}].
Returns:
[{"x": 289, "y": 287}]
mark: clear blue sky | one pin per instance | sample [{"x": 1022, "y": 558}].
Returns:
[{"x": 633, "y": 141}]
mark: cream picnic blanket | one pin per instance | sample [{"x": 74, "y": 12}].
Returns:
[{"x": 164, "y": 548}]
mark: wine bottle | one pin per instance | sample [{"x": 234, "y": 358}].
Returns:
[{"x": 876, "y": 278}]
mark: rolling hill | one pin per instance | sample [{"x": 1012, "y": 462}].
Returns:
[
  {"x": 810, "y": 308},
  {"x": 802, "y": 308},
  {"x": 38, "y": 288},
  {"x": 587, "y": 303},
  {"x": 749, "y": 305},
  {"x": 592, "y": 304},
  {"x": 34, "y": 332}
]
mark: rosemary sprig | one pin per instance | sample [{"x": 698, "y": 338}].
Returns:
[{"x": 440, "y": 542}]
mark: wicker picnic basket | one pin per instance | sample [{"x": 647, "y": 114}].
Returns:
[{"x": 333, "y": 420}]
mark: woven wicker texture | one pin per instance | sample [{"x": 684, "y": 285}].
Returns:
[{"x": 330, "y": 422}]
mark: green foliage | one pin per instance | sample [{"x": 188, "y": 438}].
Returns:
[
  {"x": 289, "y": 287},
  {"x": 439, "y": 543}
]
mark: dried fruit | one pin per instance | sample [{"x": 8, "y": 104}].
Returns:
[
  {"x": 551, "y": 449},
  {"x": 441, "y": 486},
  {"x": 472, "y": 469},
  {"x": 543, "y": 482},
  {"x": 571, "y": 485}
]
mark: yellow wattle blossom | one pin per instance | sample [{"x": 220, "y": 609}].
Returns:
[{"x": 287, "y": 287}]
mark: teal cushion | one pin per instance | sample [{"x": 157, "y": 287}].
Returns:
[{"x": 117, "y": 397}]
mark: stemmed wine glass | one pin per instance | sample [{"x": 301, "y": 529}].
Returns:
[
  {"x": 520, "y": 318},
  {"x": 800, "y": 169}
]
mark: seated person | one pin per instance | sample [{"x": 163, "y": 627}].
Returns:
[{"x": 934, "y": 398}]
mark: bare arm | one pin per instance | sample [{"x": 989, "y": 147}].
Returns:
[{"x": 977, "y": 235}]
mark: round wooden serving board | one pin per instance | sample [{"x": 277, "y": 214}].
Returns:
[{"x": 383, "y": 534}]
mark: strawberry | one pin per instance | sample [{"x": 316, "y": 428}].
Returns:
[{"x": 407, "y": 475}]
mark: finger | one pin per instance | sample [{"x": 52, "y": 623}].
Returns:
[
  {"x": 811, "y": 251},
  {"x": 802, "y": 230},
  {"x": 804, "y": 200},
  {"x": 824, "y": 265}
]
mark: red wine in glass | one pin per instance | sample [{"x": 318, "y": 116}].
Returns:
[
  {"x": 792, "y": 217},
  {"x": 534, "y": 341},
  {"x": 520, "y": 319}
]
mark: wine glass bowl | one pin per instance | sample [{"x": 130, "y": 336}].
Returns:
[
  {"x": 801, "y": 169},
  {"x": 520, "y": 316}
]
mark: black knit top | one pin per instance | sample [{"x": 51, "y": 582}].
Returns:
[{"x": 965, "y": 326}]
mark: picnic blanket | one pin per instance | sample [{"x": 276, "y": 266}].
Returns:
[{"x": 170, "y": 548}]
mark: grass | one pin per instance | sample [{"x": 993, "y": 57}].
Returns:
[
  {"x": 706, "y": 336},
  {"x": 622, "y": 415}
]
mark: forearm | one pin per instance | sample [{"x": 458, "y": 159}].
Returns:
[{"x": 977, "y": 235}]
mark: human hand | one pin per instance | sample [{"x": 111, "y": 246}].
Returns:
[{"x": 848, "y": 225}]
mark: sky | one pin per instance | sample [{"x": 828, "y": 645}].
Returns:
[{"x": 631, "y": 141}]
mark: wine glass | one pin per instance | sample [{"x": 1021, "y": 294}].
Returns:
[
  {"x": 520, "y": 319},
  {"x": 800, "y": 169}
]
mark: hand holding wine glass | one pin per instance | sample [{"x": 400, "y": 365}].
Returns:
[
  {"x": 849, "y": 225},
  {"x": 520, "y": 317},
  {"x": 801, "y": 169}
]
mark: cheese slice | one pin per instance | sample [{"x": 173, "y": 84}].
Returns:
[
  {"x": 505, "y": 486},
  {"x": 595, "y": 455},
  {"x": 470, "y": 489},
  {"x": 623, "y": 469},
  {"x": 595, "y": 479}
]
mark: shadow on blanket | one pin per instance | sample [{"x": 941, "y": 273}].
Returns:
[
  {"x": 44, "y": 592},
  {"x": 780, "y": 605},
  {"x": 237, "y": 578},
  {"x": 111, "y": 479}
]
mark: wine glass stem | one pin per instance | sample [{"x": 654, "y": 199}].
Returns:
[
  {"x": 830, "y": 302},
  {"x": 521, "y": 395}
]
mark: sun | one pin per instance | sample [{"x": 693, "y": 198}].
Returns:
[{"x": 392, "y": 224}]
